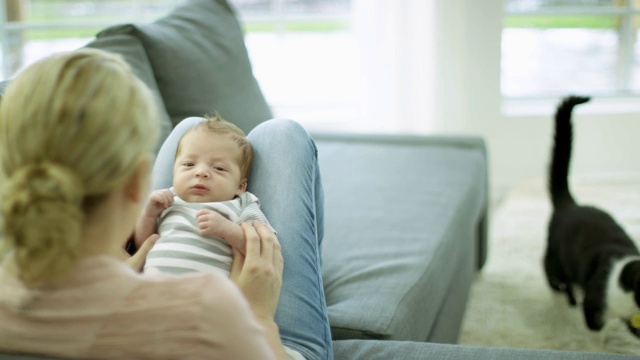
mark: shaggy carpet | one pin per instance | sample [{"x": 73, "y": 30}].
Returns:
[{"x": 511, "y": 304}]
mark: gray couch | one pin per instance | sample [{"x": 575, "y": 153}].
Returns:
[{"x": 405, "y": 216}]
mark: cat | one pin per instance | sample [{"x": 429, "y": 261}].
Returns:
[{"x": 587, "y": 249}]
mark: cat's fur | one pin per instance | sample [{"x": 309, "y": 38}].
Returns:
[{"x": 586, "y": 249}]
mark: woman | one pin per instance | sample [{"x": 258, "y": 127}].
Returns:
[{"x": 76, "y": 133}]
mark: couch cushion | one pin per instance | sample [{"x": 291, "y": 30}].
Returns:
[
  {"x": 130, "y": 48},
  {"x": 201, "y": 64},
  {"x": 401, "y": 214},
  {"x": 373, "y": 350}
]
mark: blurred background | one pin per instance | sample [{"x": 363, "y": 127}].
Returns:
[{"x": 493, "y": 68}]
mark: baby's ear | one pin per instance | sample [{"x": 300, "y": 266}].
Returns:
[{"x": 242, "y": 187}]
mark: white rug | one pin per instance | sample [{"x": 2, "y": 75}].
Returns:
[{"x": 511, "y": 304}]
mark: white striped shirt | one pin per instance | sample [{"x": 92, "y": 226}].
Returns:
[{"x": 182, "y": 249}]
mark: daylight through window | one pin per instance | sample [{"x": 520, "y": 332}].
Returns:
[{"x": 554, "y": 47}]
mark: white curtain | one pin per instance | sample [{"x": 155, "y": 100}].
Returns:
[{"x": 411, "y": 64}]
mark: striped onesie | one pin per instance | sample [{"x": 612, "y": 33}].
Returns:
[{"x": 182, "y": 249}]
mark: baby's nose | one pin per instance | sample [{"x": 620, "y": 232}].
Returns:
[{"x": 203, "y": 171}]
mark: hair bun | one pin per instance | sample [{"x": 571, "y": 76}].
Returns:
[
  {"x": 42, "y": 218},
  {"x": 46, "y": 181}
]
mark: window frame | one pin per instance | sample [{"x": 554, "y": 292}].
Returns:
[
  {"x": 625, "y": 57},
  {"x": 277, "y": 15}
]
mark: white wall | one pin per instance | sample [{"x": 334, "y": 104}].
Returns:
[{"x": 607, "y": 133}]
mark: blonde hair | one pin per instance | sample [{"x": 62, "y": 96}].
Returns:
[
  {"x": 73, "y": 127},
  {"x": 216, "y": 124}
]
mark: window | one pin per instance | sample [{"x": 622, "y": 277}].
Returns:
[
  {"x": 302, "y": 51},
  {"x": 304, "y": 57},
  {"x": 31, "y": 29},
  {"x": 554, "y": 47}
]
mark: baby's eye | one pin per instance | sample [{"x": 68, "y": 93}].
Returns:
[
  {"x": 218, "y": 168},
  {"x": 188, "y": 164}
]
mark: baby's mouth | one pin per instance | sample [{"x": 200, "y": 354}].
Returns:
[{"x": 200, "y": 187}]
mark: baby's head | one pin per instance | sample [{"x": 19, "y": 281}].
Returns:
[{"x": 213, "y": 162}]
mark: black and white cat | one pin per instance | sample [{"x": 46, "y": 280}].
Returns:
[{"x": 587, "y": 250}]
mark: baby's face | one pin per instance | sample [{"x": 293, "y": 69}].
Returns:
[{"x": 207, "y": 168}]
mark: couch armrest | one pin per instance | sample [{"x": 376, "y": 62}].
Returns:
[
  {"x": 403, "y": 216},
  {"x": 435, "y": 140},
  {"x": 456, "y": 141}
]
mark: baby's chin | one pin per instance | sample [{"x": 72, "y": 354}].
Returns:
[{"x": 202, "y": 198}]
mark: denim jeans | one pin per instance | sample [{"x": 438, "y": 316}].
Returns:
[{"x": 286, "y": 179}]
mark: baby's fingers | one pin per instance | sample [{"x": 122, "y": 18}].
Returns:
[
  {"x": 168, "y": 198},
  {"x": 201, "y": 214}
]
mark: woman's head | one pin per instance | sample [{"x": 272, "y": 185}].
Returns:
[{"x": 73, "y": 127}]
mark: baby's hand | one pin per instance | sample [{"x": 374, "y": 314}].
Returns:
[
  {"x": 147, "y": 222},
  {"x": 214, "y": 224},
  {"x": 159, "y": 200},
  {"x": 211, "y": 223}
]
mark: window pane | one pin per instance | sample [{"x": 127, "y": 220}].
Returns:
[
  {"x": 253, "y": 7},
  {"x": 36, "y": 28},
  {"x": 551, "y": 55},
  {"x": 293, "y": 15},
  {"x": 110, "y": 11},
  {"x": 635, "y": 72},
  {"x": 541, "y": 5},
  {"x": 300, "y": 50},
  {"x": 552, "y": 47}
]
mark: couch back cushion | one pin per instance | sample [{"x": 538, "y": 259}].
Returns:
[
  {"x": 200, "y": 62},
  {"x": 130, "y": 48}
]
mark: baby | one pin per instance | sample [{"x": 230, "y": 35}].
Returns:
[{"x": 198, "y": 218}]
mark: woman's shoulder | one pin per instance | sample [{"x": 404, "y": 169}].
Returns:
[
  {"x": 159, "y": 290},
  {"x": 196, "y": 288},
  {"x": 203, "y": 309},
  {"x": 165, "y": 315}
]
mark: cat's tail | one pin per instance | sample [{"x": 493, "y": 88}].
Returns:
[{"x": 561, "y": 156}]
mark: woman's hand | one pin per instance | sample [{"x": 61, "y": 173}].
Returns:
[
  {"x": 136, "y": 261},
  {"x": 258, "y": 274}
]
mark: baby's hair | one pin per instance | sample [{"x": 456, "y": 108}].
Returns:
[
  {"x": 73, "y": 127},
  {"x": 216, "y": 124}
]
